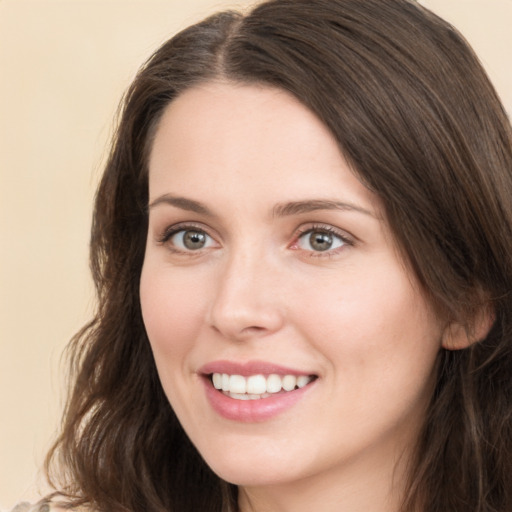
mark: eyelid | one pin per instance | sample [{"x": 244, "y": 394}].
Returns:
[
  {"x": 172, "y": 229},
  {"x": 165, "y": 236},
  {"x": 347, "y": 238}
]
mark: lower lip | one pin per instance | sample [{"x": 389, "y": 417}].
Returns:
[{"x": 253, "y": 411}]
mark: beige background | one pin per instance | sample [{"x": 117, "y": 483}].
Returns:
[{"x": 63, "y": 67}]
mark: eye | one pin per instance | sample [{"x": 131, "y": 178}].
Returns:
[
  {"x": 188, "y": 239},
  {"x": 320, "y": 240}
]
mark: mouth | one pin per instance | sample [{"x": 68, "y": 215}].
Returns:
[
  {"x": 254, "y": 391},
  {"x": 258, "y": 386}
]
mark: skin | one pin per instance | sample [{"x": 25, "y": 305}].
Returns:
[{"x": 352, "y": 315}]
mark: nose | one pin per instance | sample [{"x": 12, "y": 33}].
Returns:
[{"x": 247, "y": 302}]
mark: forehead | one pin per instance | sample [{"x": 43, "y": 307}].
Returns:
[
  {"x": 224, "y": 140},
  {"x": 248, "y": 115}
]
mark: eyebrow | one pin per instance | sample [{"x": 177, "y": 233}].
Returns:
[
  {"x": 298, "y": 207},
  {"x": 279, "y": 210},
  {"x": 183, "y": 203}
]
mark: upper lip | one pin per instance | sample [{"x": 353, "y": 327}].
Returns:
[{"x": 248, "y": 368}]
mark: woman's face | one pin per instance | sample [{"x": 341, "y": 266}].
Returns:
[{"x": 270, "y": 271}]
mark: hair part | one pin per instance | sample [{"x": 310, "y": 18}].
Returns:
[{"x": 421, "y": 126}]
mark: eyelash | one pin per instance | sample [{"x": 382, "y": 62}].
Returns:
[
  {"x": 171, "y": 231},
  {"x": 324, "y": 229}
]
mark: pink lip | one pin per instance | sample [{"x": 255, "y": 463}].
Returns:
[
  {"x": 251, "y": 411},
  {"x": 248, "y": 368}
]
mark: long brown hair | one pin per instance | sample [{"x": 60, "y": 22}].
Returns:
[{"x": 422, "y": 127}]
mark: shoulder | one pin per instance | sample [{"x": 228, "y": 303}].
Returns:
[
  {"x": 43, "y": 506},
  {"x": 29, "y": 507}
]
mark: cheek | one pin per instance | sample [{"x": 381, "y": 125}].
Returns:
[
  {"x": 375, "y": 326},
  {"x": 172, "y": 312},
  {"x": 381, "y": 344}
]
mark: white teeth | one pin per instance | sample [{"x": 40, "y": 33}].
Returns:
[
  {"x": 257, "y": 386},
  {"x": 240, "y": 396},
  {"x": 274, "y": 384},
  {"x": 289, "y": 382},
  {"x": 302, "y": 381},
  {"x": 225, "y": 382},
  {"x": 217, "y": 380},
  {"x": 247, "y": 396}
]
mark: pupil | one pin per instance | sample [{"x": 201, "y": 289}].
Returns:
[
  {"x": 320, "y": 241},
  {"x": 194, "y": 239}
]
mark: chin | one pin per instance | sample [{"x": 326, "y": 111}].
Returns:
[
  {"x": 256, "y": 467},
  {"x": 250, "y": 476}
]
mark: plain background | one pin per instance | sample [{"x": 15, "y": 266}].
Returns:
[{"x": 63, "y": 68}]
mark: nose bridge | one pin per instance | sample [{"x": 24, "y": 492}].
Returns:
[{"x": 246, "y": 303}]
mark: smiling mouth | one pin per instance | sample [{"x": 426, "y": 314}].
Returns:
[{"x": 256, "y": 387}]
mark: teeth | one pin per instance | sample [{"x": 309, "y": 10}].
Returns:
[
  {"x": 237, "y": 384},
  {"x": 274, "y": 384},
  {"x": 217, "y": 380},
  {"x": 257, "y": 386},
  {"x": 247, "y": 396},
  {"x": 289, "y": 382},
  {"x": 302, "y": 381},
  {"x": 225, "y": 382}
]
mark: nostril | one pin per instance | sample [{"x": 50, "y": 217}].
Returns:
[{"x": 253, "y": 329}]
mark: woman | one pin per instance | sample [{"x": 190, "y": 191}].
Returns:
[{"x": 301, "y": 247}]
